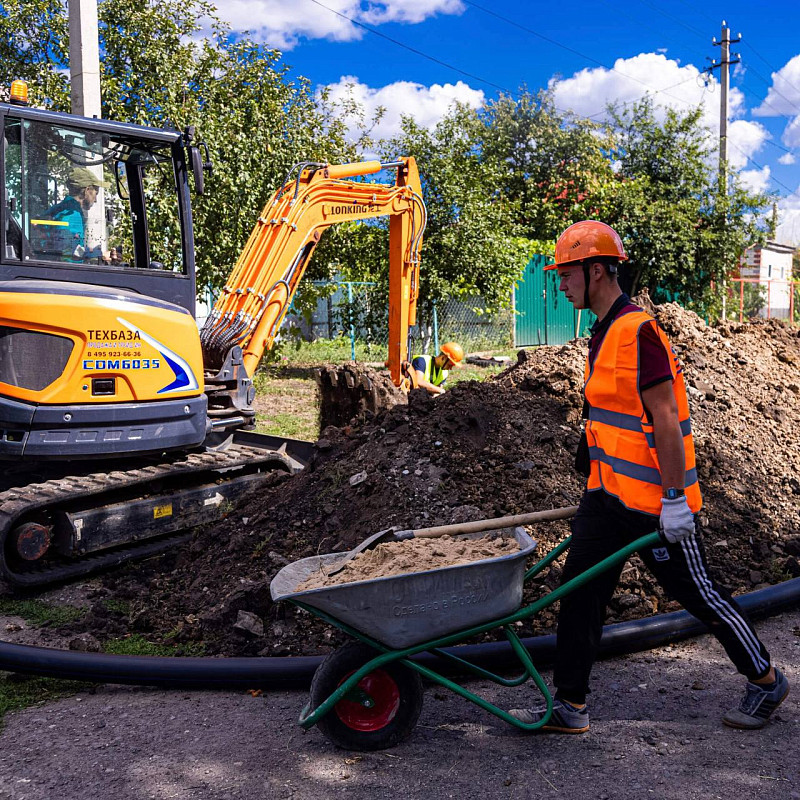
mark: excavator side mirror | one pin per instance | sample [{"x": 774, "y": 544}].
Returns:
[
  {"x": 197, "y": 169},
  {"x": 201, "y": 161}
]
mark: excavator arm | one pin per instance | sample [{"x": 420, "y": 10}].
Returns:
[{"x": 256, "y": 297}]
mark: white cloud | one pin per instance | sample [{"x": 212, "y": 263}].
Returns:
[
  {"x": 783, "y": 96},
  {"x": 756, "y": 180},
  {"x": 787, "y": 159},
  {"x": 791, "y": 134},
  {"x": 744, "y": 140},
  {"x": 427, "y": 104},
  {"x": 681, "y": 87},
  {"x": 282, "y": 23}
]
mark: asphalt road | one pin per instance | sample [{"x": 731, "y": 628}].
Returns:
[{"x": 656, "y": 732}]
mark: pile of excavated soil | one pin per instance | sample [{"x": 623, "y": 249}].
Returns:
[
  {"x": 412, "y": 555},
  {"x": 500, "y": 447}
]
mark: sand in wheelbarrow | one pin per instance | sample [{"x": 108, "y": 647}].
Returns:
[
  {"x": 502, "y": 446},
  {"x": 412, "y": 555}
]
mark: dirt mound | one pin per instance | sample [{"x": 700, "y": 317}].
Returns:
[{"x": 489, "y": 449}]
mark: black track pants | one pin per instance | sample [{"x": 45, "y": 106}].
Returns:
[{"x": 603, "y": 526}]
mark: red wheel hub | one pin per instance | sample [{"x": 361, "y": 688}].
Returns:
[{"x": 378, "y": 688}]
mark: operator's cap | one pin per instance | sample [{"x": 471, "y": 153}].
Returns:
[{"x": 80, "y": 177}]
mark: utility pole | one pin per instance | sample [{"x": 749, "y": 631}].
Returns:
[
  {"x": 84, "y": 58},
  {"x": 724, "y": 80},
  {"x": 84, "y": 72}
]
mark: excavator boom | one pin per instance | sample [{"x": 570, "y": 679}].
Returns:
[{"x": 258, "y": 293}]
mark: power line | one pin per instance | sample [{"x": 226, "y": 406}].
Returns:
[
  {"x": 696, "y": 8},
  {"x": 544, "y": 38},
  {"x": 780, "y": 94},
  {"x": 791, "y": 86},
  {"x": 674, "y": 19},
  {"x": 639, "y": 22},
  {"x": 671, "y": 86},
  {"x": 414, "y": 50},
  {"x": 758, "y": 166}
]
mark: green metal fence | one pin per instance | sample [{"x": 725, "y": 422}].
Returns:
[{"x": 543, "y": 314}]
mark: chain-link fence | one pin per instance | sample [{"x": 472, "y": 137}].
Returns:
[{"x": 359, "y": 312}]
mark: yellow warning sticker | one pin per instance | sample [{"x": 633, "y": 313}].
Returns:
[{"x": 162, "y": 511}]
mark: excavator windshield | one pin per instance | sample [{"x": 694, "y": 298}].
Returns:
[{"x": 87, "y": 198}]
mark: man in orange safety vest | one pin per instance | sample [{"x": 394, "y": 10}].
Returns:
[{"x": 638, "y": 454}]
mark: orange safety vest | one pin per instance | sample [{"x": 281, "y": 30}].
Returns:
[{"x": 622, "y": 445}]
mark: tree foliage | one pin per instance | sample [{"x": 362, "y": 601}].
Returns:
[
  {"x": 682, "y": 235},
  {"x": 33, "y": 43}
]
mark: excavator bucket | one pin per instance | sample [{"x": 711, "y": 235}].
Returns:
[{"x": 350, "y": 392}]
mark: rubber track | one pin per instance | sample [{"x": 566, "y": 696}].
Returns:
[{"x": 19, "y": 501}]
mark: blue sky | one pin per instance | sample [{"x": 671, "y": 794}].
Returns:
[{"x": 602, "y": 51}]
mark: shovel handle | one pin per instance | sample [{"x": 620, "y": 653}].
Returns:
[{"x": 495, "y": 523}]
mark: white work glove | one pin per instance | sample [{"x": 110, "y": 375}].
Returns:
[{"x": 676, "y": 521}]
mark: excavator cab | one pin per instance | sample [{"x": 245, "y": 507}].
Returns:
[
  {"x": 96, "y": 202},
  {"x": 99, "y": 351}
]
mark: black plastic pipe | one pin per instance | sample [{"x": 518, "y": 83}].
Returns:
[{"x": 296, "y": 671}]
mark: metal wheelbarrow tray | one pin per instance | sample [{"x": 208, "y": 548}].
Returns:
[{"x": 404, "y": 610}]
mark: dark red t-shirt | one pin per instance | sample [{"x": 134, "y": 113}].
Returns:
[{"x": 654, "y": 364}]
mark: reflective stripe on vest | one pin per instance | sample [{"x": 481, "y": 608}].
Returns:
[
  {"x": 622, "y": 447},
  {"x": 435, "y": 377}
]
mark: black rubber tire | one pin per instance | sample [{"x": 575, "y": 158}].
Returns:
[{"x": 402, "y": 712}]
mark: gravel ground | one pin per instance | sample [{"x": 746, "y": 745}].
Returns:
[{"x": 656, "y": 732}]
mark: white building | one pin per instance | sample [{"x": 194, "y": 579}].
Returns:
[{"x": 771, "y": 264}]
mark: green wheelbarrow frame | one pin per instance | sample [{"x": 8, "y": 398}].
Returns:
[{"x": 348, "y": 688}]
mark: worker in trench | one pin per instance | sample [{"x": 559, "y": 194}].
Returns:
[
  {"x": 638, "y": 454},
  {"x": 431, "y": 372}
]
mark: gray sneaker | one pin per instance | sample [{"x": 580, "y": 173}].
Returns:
[
  {"x": 565, "y": 719},
  {"x": 758, "y": 703}
]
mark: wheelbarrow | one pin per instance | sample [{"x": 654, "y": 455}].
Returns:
[{"x": 368, "y": 694}]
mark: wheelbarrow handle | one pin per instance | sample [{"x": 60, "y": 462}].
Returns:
[{"x": 479, "y": 525}]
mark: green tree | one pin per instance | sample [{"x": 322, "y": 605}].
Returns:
[
  {"x": 471, "y": 246},
  {"x": 257, "y": 120},
  {"x": 682, "y": 236},
  {"x": 33, "y": 44},
  {"x": 553, "y": 163}
]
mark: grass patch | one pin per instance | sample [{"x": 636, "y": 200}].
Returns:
[
  {"x": 115, "y": 606},
  {"x": 38, "y": 613},
  {"x": 137, "y": 645},
  {"x": 23, "y": 691},
  {"x": 328, "y": 351},
  {"x": 287, "y": 407}
]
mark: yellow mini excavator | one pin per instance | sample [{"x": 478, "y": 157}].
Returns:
[{"x": 121, "y": 425}]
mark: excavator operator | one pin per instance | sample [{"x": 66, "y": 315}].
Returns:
[
  {"x": 83, "y": 187},
  {"x": 431, "y": 372}
]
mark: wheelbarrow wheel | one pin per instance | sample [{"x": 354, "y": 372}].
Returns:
[{"x": 382, "y": 710}]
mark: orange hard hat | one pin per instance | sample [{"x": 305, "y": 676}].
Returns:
[
  {"x": 453, "y": 351},
  {"x": 585, "y": 240}
]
